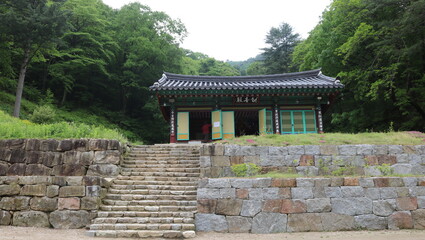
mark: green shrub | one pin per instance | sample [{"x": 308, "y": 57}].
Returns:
[
  {"x": 245, "y": 169},
  {"x": 43, "y": 114},
  {"x": 385, "y": 169}
]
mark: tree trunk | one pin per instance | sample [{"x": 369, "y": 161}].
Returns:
[{"x": 20, "y": 88}]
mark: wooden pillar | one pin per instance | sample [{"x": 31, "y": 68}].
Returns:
[
  {"x": 276, "y": 119},
  {"x": 173, "y": 124},
  {"x": 319, "y": 118}
]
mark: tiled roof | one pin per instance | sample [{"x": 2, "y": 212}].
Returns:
[{"x": 308, "y": 79}]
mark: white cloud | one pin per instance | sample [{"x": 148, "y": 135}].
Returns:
[{"x": 235, "y": 29}]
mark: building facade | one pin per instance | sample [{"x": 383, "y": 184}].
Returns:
[{"x": 289, "y": 103}]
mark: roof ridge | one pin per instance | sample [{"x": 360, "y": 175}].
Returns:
[{"x": 314, "y": 72}]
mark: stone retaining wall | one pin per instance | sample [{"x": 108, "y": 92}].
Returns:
[
  {"x": 69, "y": 157},
  {"x": 266, "y": 205},
  {"x": 47, "y": 201},
  {"x": 314, "y": 160}
]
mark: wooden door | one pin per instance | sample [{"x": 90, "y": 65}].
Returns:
[
  {"x": 228, "y": 124},
  {"x": 217, "y": 127},
  {"x": 183, "y": 126}
]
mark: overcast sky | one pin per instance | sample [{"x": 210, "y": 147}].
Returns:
[{"x": 235, "y": 29}]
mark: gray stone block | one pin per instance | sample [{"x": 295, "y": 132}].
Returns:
[
  {"x": 291, "y": 160},
  {"x": 269, "y": 223},
  {"x": 211, "y": 223},
  {"x": 383, "y": 208},
  {"x": 380, "y": 149},
  {"x": 248, "y": 151},
  {"x": 337, "y": 222},
  {"x": 270, "y": 193},
  {"x": 421, "y": 201},
  {"x": 364, "y": 149},
  {"x": 250, "y": 208},
  {"x": 227, "y": 193},
  {"x": 304, "y": 222},
  {"x": 322, "y": 182},
  {"x": 352, "y": 191},
  {"x": 347, "y": 150},
  {"x": 255, "y": 194},
  {"x": 352, "y": 206},
  {"x": 219, "y": 183},
  {"x": 5, "y": 217},
  {"x": 69, "y": 219},
  {"x": 305, "y": 182},
  {"x": 402, "y": 169},
  {"x": 44, "y": 204},
  {"x": 312, "y": 149},
  {"x": 232, "y": 150},
  {"x": 239, "y": 224},
  {"x": 371, "y": 222},
  {"x": 372, "y": 193},
  {"x": 296, "y": 150},
  {"x": 420, "y": 149},
  {"x": 103, "y": 170},
  {"x": 330, "y": 150},
  {"x": 318, "y": 205},
  {"x": 388, "y": 193},
  {"x": 208, "y": 193},
  {"x": 205, "y": 161},
  {"x": 261, "y": 182},
  {"x": 366, "y": 182},
  {"x": 278, "y": 151},
  {"x": 302, "y": 192},
  {"x": 395, "y": 149},
  {"x": 241, "y": 183},
  {"x": 30, "y": 219},
  {"x": 333, "y": 192}
]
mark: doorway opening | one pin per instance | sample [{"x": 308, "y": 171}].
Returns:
[
  {"x": 196, "y": 121},
  {"x": 246, "y": 123}
]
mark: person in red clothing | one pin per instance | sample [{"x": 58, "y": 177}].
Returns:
[{"x": 206, "y": 131}]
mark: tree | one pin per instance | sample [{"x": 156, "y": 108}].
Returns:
[
  {"x": 32, "y": 26},
  {"x": 278, "y": 56},
  {"x": 377, "y": 48}
]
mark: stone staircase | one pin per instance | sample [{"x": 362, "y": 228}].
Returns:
[{"x": 155, "y": 195}]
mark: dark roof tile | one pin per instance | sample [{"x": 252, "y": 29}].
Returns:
[{"x": 307, "y": 79}]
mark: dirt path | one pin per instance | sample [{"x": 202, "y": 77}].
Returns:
[{"x": 25, "y": 233}]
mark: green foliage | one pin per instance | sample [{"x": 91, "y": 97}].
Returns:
[
  {"x": 384, "y": 138},
  {"x": 385, "y": 169},
  {"x": 377, "y": 49},
  {"x": 281, "y": 42},
  {"x": 245, "y": 169},
  {"x": 43, "y": 114},
  {"x": 12, "y": 128}
]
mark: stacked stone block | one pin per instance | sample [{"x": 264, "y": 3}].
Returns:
[
  {"x": 266, "y": 205},
  {"x": 216, "y": 160},
  {"x": 50, "y": 201},
  {"x": 69, "y": 157}
]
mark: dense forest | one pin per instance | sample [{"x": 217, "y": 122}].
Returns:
[{"x": 84, "y": 57}]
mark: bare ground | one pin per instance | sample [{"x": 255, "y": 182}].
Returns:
[{"x": 25, "y": 233}]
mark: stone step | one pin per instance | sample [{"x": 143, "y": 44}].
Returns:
[
  {"x": 134, "y": 197},
  {"x": 148, "y": 208},
  {"x": 160, "y": 174},
  {"x": 115, "y": 220},
  {"x": 172, "y": 160},
  {"x": 157, "y": 178},
  {"x": 184, "y": 201},
  {"x": 107, "y": 214},
  {"x": 153, "y": 188},
  {"x": 127, "y": 184},
  {"x": 154, "y": 166},
  {"x": 143, "y": 234},
  {"x": 143, "y": 226},
  {"x": 163, "y": 169}
]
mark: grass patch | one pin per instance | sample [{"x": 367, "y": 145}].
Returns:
[
  {"x": 389, "y": 138},
  {"x": 13, "y": 128}
]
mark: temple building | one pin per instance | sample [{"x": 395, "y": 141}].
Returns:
[{"x": 289, "y": 103}]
